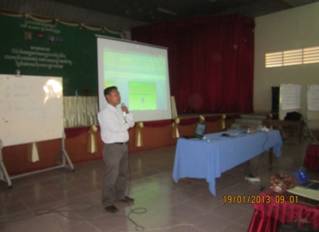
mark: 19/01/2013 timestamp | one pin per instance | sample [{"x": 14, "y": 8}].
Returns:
[{"x": 259, "y": 199}]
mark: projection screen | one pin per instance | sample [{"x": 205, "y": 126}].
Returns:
[{"x": 140, "y": 71}]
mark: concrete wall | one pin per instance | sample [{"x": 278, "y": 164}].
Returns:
[{"x": 290, "y": 29}]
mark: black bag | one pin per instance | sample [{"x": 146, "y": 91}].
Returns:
[{"x": 293, "y": 116}]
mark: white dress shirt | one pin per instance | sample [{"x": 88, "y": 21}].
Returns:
[{"x": 114, "y": 124}]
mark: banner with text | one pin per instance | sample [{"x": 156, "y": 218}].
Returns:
[{"x": 33, "y": 47}]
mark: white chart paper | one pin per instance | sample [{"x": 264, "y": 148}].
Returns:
[
  {"x": 313, "y": 98},
  {"x": 290, "y": 95}
]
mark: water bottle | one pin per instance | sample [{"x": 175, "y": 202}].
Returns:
[{"x": 301, "y": 176}]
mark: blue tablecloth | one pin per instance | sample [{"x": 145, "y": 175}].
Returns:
[{"x": 210, "y": 157}]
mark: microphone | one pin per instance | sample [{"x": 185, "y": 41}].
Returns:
[
  {"x": 123, "y": 105},
  {"x": 124, "y": 113}
]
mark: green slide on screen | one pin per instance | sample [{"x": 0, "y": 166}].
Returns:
[
  {"x": 142, "y": 95},
  {"x": 132, "y": 66}
]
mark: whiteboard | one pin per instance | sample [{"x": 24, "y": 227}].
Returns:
[
  {"x": 31, "y": 109},
  {"x": 313, "y": 98},
  {"x": 290, "y": 96}
]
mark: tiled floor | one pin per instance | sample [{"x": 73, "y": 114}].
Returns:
[{"x": 64, "y": 201}]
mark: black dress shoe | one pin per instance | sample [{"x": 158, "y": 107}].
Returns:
[
  {"x": 128, "y": 200},
  {"x": 111, "y": 209}
]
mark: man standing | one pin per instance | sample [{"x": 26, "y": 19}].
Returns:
[{"x": 115, "y": 120}]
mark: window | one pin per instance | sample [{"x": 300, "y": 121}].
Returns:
[
  {"x": 292, "y": 57},
  {"x": 274, "y": 59},
  {"x": 311, "y": 55}
]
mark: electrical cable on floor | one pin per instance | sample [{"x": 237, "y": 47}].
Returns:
[
  {"x": 62, "y": 212},
  {"x": 142, "y": 210},
  {"x": 133, "y": 211},
  {"x": 136, "y": 211},
  {"x": 65, "y": 213}
]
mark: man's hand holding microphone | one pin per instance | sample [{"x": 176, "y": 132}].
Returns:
[{"x": 124, "y": 109}]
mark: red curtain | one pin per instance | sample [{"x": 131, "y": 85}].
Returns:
[{"x": 210, "y": 61}]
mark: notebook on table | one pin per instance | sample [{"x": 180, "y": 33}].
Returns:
[{"x": 309, "y": 190}]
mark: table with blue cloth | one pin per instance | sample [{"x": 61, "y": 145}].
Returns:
[{"x": 216, "y": 153}]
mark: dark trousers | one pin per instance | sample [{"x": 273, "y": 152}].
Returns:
[{"x": 115, "y": 157}]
